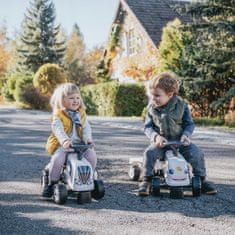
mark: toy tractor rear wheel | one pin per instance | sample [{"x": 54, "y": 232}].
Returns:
[
  {"x": 196, "y": 186},
  {"x": 134, "y": 172},
  {"x": 176, "y": 193},
  {"x": 84, "y": 197},
  {"x": 99, "y": 190},
  {"x": 60, "y": 194},
  {"x": 156, "y": 186}
]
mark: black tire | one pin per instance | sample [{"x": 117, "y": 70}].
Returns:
[
  {"x": 45, "y": 178},
  {"x": 99, "y": 190},
  {"x": 196, "y": 186},
  {"x": 134, "y": 172},
  {"x": 156, "y": 186},
  {"x": 176, "y": 192},
  {"x": 84, "y": 197},
  {"x": 60, "y": 194}
]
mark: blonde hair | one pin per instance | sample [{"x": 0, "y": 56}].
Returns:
[
  {"x": 166, "y": 81},
  {"x": 63, "y": 90}
]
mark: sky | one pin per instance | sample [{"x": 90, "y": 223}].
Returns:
[{"x": 94, "y": 17}]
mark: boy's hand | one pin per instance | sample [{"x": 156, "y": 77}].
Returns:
[
  {"x": 67, "y": 144},
  {"x": 185, "y": 140},
  {"x": 159, "y": 141}
]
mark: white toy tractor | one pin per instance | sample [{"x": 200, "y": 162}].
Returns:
[
  {"x": 172, "y": 172},
  {"x": 78, "y": 177}
]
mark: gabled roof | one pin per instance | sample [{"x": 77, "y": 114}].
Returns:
[{"x": 154, "y": 15}]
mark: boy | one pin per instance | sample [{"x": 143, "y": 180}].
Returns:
[{"x": 169, "y": 118}]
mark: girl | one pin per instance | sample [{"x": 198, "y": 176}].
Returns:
[{"x": 69, "y": 122}]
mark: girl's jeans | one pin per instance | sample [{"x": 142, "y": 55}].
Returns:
[
  {"x": 191, "y": 153},
  {"x": 58, "y": 159}
]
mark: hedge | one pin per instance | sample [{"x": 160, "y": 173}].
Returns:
[{"x": 113, "y": 99}]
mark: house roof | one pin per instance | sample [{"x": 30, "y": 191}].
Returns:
[{"x": 155, "y": 14}]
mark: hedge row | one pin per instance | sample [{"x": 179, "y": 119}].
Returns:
[{"x": 113, "y": 99}]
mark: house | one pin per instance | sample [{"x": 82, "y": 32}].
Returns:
[{"x": 132, "y": 49}]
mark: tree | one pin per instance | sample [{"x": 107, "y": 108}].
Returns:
[
  {"x": 208, "y": 62},
  {"x": 39, "y": 42},
  {"x": 92, "y": 61},
  {"x": 74, "y": 58},
  {"x": 171, "y": 46},
  {"x": 4, "y": 54}
]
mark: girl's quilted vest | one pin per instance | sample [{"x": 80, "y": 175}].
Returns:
[{"x": 52, "y": 142}]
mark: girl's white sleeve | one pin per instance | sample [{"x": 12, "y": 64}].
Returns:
[
  {"x": 58, "y": 130},
  {"x": 87, "y": 135}
]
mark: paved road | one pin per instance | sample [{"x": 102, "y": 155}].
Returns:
[{"x": 22, "y": 211}]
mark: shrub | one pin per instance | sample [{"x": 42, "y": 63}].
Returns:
[
  {"x": 22, "y": 83},
  {"x": 2, "y": 82},
  {"x": 144, "y": 113},
  {"x": 99, "y": 99},
  {"x": 10, "y": 85},
  {"x": 7, "y": 96},
  {"x": 48, "y": 77},
  {"x": 34, "y": 99},
  {"x": 113, "y": 99},
  {"x": 230, "y": 118},
  {"x": 130, "y": 100},
  {"x": 205, "y": 121}
]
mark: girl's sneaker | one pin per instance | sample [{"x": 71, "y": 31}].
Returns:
[{"x": 47, "y": 190}]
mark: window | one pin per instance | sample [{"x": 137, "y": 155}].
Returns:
[
  {"x": 134, "y": 42},
  {"x": 131, "y": 42}
]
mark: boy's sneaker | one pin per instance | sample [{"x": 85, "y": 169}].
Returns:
[
  {"x": 208, "y": 188},
  {"x": 144, "y": 187}
]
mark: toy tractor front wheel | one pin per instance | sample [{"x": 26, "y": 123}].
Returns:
[
  {"x": 176, "y": 192},
  {"x": 196, "y": 186},
  {"x": 156, "y": 186},
  {"x": 60, "y": 194},
  {"x": 99, "y": 190},
  {"x": 134, "y": 172},
  {"x": 84, "y": 197}
]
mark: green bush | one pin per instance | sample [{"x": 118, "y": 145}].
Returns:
[
  {"x": 34, "y": 100},
  {"x": 230, "y": 119},
  {"x": 113, "y": 99},
  {"x": 2, "y": 82},
  {"x": 10, "y": 86},
  {"x": 22, "y": 83},
  {"x": 48, "y": 77},
  {"x": 205, "y": 121},
  {"x": 130, "y": 100},
  {"x": 7, "y": 96},
  {"x": 144, "y": 113}
]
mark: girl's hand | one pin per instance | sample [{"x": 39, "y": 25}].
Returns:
[
  {"x": 90, "y": 142},
  {"x": 159, "y": 141},
  {"x": 67, "y": 144},
  {"x": 185, "y": 140}
]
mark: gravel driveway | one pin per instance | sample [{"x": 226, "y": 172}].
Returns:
[{"x": 121, "y": 211}]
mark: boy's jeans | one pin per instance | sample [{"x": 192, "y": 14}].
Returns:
[{"x": 191, "y": 153}]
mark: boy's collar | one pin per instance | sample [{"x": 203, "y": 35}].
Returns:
[{"x": 172, "y": 100}]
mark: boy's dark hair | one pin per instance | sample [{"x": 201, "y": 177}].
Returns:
[{"x": 166, "y": 81}]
